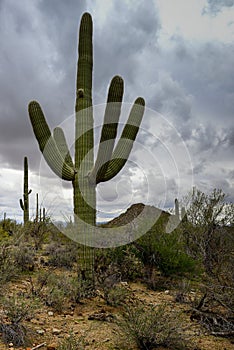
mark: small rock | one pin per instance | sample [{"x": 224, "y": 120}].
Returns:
[
  {"x": 56, "y": 331},
  {"x": 167, "y": 292},
  {"x": 11, "y": 344},
  {"x": 50, "y": 313},
  {"x": 124, "y": 284},
  {"x": 40, "y": 331}
]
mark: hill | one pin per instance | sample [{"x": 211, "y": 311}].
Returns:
[{"x": 138, "y": 211}]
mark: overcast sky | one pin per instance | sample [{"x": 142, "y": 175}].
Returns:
[{"x": 178, "y": 55}]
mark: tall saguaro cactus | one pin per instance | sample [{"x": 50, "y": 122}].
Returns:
[
  {"x": 84, "y": 172},
  {"x": 24, "y": 203}
]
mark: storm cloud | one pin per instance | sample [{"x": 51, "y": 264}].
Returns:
[{"x": 185, "y": 75}]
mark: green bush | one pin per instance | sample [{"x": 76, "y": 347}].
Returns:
[
  {"x": 121, "y": 260},
  {"x": 8, "y": 270},
  {"x": 24, "y": 257},
  {"x": 165, "y": 251},
  {"x": 151, "y": 327},
  {"x": 55, "y": 299},
  {"x": 171, "y": 257},
  {"x": 116, "y": 296},
  {"x": 61, "y": 256}
]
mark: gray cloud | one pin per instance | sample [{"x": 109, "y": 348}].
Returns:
[
  {"x": 215, "y": 6},
  {"x": 190, "y": 83},
  {"x": 36, "y": 56},
  {"x": 126, "y": 39}
]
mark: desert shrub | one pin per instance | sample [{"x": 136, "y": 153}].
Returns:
[
  {"x": 58, "y": 290},
  {"x": 8, "y": 270},
  {"x": 24, "y": 257},
  {"x": 15, "y": 311},
  {"x": 171, "y": 257},
  {"x": 7, "y": 228},
  {"x": 116, "y": 296},
  {"x": 121, "y": 260},
  {"x": 62, "y": 256},
  {"x": 72, "y": 342},
  {"x": 38, "y": 232},
  {"x": 14, "y": 333},
  {"x": 76, "y": 289},
  {"x": 214, "y": 309},
  {"x": 166, "y": 251},
  {"x": 4, "y": 235},
  {"x": 151, "y": 327},
  {"x": 130, "y": 266},
  {"x": 55, "y": 299},
  {"x": 207, "y": 230}
]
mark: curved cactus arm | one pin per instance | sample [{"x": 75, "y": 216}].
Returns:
[
  {"x": 61, "y": 143},
  {"x": 125, "y": 143},
  {"x": 21, "y": 204},
  {"x": 47, "y": 144},
  {"x": 109, "y": 129}
]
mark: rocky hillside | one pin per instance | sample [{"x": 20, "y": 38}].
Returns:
[{"x": 134, "y": 211}]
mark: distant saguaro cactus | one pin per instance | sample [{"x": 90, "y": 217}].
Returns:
[
  {"x": 24, "y": 203},
  {"x": 84, "y": 172},
  {"x": 183, "y": 215},
  {"x": 37, "y": 209},
  {"x": 177, "y": 209}
]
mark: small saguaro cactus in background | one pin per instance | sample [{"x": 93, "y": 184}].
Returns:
[
  {"x": 40, "y": 214},
  {"x": 37, "y": 209},
  {"x": 4, "y": 221},
  {"x": 84, "y": 173},
  {"x": 24, "y": 203},
  {"x": 183, "y": 215},
  {"x": 177, "y": 210}
]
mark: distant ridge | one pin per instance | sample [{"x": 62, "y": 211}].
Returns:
[{"x": 133, "y": 212}]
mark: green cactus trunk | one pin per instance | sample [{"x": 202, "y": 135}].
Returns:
[{"x": 84, "y": 172}]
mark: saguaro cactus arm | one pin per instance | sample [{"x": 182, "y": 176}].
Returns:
[
  {"x": 109, "y": 129},
  {"x": 61, "y": 143},
  {"x": 21, "y": 204},
  {"x": 124, "y": 146},
  {"x": 47, "y": 144}
]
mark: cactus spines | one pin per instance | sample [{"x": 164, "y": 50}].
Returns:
[
  {"x": 24, "y": 203},
  {"x": 84, "y": 172}
]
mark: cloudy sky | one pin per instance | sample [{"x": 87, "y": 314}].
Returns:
[{"x": 177, "y": 54}]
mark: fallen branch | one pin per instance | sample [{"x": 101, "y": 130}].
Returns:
[{"x": 38, "y": 346}]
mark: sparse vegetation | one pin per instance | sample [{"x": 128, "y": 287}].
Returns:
[
  {"x": 151, "y": 327},
  {"x": 72, "y": 342},
  {"x": 16, "y": 310},
  {"x": 164, "y": 262}
]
